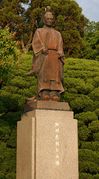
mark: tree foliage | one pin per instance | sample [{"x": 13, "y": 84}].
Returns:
[
  {"x": 81, "y": 37},
  {"x": 91, "y": 41},
  {"x": 23, "y": 22},
  {"x": 8, "y": 53}
]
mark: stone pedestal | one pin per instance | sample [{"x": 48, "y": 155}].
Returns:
[{"x": 47, "y": 142}]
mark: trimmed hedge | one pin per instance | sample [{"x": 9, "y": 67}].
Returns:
[
  {"x": 89, "y": 155},
  {"x": 94, "y": 126},
  {"x": 89, "y": 167},
  {"x": 94, "y": 146},
  {"x": 85, "y": 176},
  {"x": 87, "y": 117}
]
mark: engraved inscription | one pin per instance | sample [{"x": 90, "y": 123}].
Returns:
[{"x": 57, "y": 143}]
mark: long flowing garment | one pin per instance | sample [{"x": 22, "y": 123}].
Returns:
[{"x": 51, "y": 69}]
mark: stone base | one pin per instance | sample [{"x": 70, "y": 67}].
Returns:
[
  {"x": 50, "y": 105},
  {"x": 47, "y": 144}
]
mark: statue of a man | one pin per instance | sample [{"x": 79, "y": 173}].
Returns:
[{"x": 49, "y": 60}]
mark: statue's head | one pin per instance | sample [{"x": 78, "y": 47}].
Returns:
[{"x": 48, "y": 18}]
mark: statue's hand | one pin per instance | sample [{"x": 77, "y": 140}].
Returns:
[
  {"x": 45, "y": 51},
  {"x": 30, "y": 73},
  {"x": 62, "y": 60}
]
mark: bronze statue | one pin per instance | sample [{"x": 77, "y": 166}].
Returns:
[{"x": 49, "y": 60}]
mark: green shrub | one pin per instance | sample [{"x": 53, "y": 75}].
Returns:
[
  {"x": 84, "y": 133},
  {"x": 96, "y": 136},
  {"x": 11, "y": 176},
  {"x": 4, "y": 132},
  {"x": 28, "y": 92},
  {"x": 12, "y": 102},
  {"x": 80, "y": 123},
  {"x": 87, "y": 117},
  {"x": 69, "y": 96},
  {"x": 97, "y": 112},
  {"x": 8, "y": 163},
  {"x": 88, "y": 88},
  {"x": 89, "y": 167},
  {"x": 11, "y": 142},
  {"x": 74, "y": 73},
  {"x": 85, "y": 176},
  {"x": 11, "y": 118},
  {"x": 94, "y": 126},
  {"x": 90, "y": 145},
  {"x": 7, "y": 159},
  {"x": 8, "y": 53},
  {"x": 96, "y": 105},
  {"x": 96, "y": 81},
  {"x": 19, "y": 82},
  {"x": 82, "y": 103},
  {"x": 90, "y": 81},
  {"x": 2, "y": 175},
  {"x": 94, "y": 95},
  {"x": 2, "y": 107},
  {"x": 89, "y": 155},
  {"x": 76, "y": 83},
  {"x": 11, "y": 89},
  {"x": 96, "y": 176}
]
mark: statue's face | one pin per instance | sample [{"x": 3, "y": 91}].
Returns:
[{"x": 48, "y": 19}]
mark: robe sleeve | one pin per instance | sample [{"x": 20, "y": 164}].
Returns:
[
  {"x": 60, "y": 46},
  {"x": 37, "y": 43}
]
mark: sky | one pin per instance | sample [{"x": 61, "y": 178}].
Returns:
[{"x": 90, "y": 9}]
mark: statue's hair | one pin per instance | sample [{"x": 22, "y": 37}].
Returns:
[{"x": 48, "y": 9}]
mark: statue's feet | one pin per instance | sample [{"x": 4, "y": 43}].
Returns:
[
  {"x": 50, "y": 95},
  {"x": 54, "y": 96},
  {"x": 45, "y": 95}
]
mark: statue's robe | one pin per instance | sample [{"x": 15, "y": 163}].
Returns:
[{"x": 51, "y": 65}]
